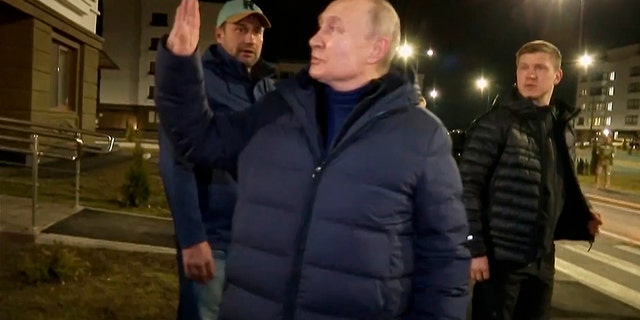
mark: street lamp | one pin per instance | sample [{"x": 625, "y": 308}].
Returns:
[
  {"x": 430, "y": 53},
  {"x": 586, "y": 61},
  {"x": 405, "y": 51},
  {"x": 433, "y": 93},
  {"x": 482, "y": 84}
]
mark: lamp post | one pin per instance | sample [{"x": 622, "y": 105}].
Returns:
[{"x": 586, "y": 61}]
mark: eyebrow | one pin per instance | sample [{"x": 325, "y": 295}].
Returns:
[{"x": 330, "y": 19}]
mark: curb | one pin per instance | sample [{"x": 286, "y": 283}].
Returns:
[
  {"x": 50, "y": 238},
  {"x": 625, "y": 204}
]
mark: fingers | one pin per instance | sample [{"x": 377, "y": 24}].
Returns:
[
  {"x": 190, "y": 13},
  {"x": 181, "y": 12},
  {"x": 480, "y": 273},
  {"x": 201, "y": 272}
]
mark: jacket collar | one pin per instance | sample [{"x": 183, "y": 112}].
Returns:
[
  {"x": 527, "y": 109},
  {"x": 218, "y": 59}
]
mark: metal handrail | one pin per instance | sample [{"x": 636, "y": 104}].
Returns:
[{"x": 69, "y": 139}]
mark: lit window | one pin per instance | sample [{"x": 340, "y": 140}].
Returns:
[
  {"x": 611, "y": 91},
  {"x": 608, "y": 121},
  {"x": 612, "y": 76},
  {"x": 152, "y": 117},
  {"x": 609, "y": 106}
]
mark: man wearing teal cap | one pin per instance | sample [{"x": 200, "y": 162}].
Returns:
[{"x": 202, "y": 199}]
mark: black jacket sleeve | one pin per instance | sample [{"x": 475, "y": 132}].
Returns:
[{"x": 483, "y": 147}]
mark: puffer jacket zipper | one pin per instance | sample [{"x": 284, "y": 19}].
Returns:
[{"x": 316, "y": 175}]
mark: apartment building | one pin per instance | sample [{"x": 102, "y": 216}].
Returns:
[
  {"x": 609, "y": 94},
  {"x": 132, "y": 31}
]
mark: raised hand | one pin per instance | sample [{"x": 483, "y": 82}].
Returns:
[{"x": 185, "y": 33}]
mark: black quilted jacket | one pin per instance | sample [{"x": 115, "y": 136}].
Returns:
[{"x": 502, "y": 169}]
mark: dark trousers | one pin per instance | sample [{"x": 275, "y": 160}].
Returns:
[{"x": 513, "y": 291}]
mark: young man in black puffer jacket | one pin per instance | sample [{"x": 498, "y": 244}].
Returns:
[{"x": 521, "y": 192}]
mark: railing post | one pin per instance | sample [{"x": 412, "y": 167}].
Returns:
[
  {"x": 35, "y": 152},
  {"x": 79, "y": 144}
]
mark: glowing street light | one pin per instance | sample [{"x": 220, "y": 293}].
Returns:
[
  {"x": 482, "y": 83},
  {"x": 405, "y": 51},
  {"x": 433, "y": 93},
  {"x": 430, "y": 53},
  {"x": 585, "y": 60}
]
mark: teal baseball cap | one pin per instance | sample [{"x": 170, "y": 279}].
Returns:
[{"x": 236, "y": 10}]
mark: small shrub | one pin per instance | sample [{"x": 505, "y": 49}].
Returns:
[
  {"x": 136, "y": 189},
  {"x": 52, "y": 264}
]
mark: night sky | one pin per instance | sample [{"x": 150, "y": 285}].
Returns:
[{"x": 472, "y": 37}]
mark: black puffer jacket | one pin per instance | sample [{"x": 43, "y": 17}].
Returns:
[{"x": 502, "y": 170}]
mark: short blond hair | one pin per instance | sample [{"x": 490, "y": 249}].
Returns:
[
  {"x": 541, "y": 46},
  {"x": 386, "y": 22}
]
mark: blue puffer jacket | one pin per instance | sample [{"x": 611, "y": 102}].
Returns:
[
  {"x": 374, "y": 230},
  {"x": 201, "y": 199}
]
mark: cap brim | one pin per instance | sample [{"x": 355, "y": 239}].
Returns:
[{"x": 263, "y": 19}]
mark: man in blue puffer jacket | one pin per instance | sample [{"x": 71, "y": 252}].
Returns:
[
  {"x": 349, "y": 200},
  {"x": 202, "y": 199}
]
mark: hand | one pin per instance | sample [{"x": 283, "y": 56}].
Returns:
[
  {"x": 480, "y": 269},
  {"x": 198, "y": 263},
  {"x": 595, "y": 223},
  {"x": 185, "y": 33}
]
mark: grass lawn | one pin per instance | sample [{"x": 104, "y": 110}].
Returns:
[
  {"x": 626, "y": 182},
  {"x": 98, "y": 284},
  {"x": 100, "y": 183}
]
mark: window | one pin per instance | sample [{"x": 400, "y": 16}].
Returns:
[
  {"x": 597, "y": 77},
  {"x": 583, "y": 92},
  {"x": 152, "y": 67},
  {"x": 634, "y": 71},
  {"x": 152, "y": 117},
  {"x": 63, "y": 76},
  {"x": 159, "y": 19},
  {"x": 608, "y": 121},
  {"x": 154, "y": 44},
  {"x": 633, "y": 104},
  {"x": 609, "y": 106},
  {"x": 596, "y": 91},
  {"x": 634, "y": 87},
  {"x": 612, "y": 76},
  {"x": 581, "y": 121},
  {"x": 611, "y": 91},
  {"x": 631, "y": 120},
  {"x": 597, "y": 121},
  {"x": 599, "y": 106},
  {"x": 152, "y": 91}
]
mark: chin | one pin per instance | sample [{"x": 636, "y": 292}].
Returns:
[{"x": 314, "y": 73}]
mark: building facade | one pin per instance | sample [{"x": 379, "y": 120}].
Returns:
[
  {"x": 49, "y": 61},
  {"x": 132, "y": 31},
  {"x": 609, "y": 94}
]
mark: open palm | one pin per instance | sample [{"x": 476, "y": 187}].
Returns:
[{"x": 185, "y": 33}]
